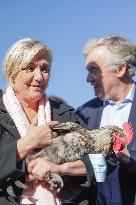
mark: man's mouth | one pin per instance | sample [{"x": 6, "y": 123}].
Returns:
[{"x": 36, "y": 85}]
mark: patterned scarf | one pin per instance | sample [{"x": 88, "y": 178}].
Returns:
[{"x": 40, "y": 194}]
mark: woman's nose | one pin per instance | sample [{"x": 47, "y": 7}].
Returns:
[{"x": 38, "y": 74}]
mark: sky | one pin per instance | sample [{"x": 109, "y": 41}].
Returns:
[{"x": 65, "y": 26}]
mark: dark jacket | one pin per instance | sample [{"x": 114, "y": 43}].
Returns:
[
  {"x": 1, "y": 93},
  {"x": 72, "y": 192},
  {"x": 91, "y": 113}
]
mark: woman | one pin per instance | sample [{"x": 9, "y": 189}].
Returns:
[{"x": 27, "y": 67}]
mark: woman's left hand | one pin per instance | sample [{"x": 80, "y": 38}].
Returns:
[{"x": 39, "y": 167}]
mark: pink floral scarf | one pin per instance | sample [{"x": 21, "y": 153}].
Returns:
[{"x": 40, "y": 194}]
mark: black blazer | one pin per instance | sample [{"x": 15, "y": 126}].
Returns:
[
  {"x": 72, "y": 193},
  {"x": 91, "y": 113}
]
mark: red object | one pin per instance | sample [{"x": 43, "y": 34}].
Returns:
[
  {"x": 128, "y": 131},
  {"x": 120, "y": 142}
]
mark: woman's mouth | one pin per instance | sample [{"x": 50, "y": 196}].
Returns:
[{"x": 37, "y": 87}]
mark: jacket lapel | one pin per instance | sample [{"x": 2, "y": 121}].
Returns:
[
  {"x": 95, "y": 115},
  {"x": 132, "y": 119}
]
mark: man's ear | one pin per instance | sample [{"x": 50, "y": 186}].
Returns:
[{"x": 121, "y": 71}]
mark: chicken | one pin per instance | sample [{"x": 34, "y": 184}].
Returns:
[{"x": 73, "y": 141}]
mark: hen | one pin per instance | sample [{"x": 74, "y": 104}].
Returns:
[{"x": 73, "y": 141}]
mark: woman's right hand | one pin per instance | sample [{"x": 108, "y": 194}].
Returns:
[
  {"x": 36, "y": 137},
  {"x": 42, "y": 135}
]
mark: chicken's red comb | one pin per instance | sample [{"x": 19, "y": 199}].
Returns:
[{"x": 120, "y": 142}]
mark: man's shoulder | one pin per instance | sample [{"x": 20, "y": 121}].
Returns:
[
  {"x": 91, "y": 104},
  {"x": 89, "y": 111}
]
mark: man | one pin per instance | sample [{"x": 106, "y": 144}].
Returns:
[{"x": 111, "y": 63}]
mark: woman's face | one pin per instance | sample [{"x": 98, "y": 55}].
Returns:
[{"x": 30, "y": 83}]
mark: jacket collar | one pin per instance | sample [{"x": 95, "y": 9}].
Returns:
[
  {"x": 97, "y": 117},
  {"x": 8, "y": 123}
]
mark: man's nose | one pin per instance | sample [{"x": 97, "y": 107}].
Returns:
[{"x": 90, "y": 78}]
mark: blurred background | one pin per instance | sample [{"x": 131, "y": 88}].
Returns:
[{"x": 65, "y": 26}]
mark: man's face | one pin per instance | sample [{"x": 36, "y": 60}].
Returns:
[{"x": 101, "y": 74}]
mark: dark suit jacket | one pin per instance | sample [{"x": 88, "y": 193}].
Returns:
[
  {"x": 72, "y": 193},
  {"x": 91, "y": 113}
]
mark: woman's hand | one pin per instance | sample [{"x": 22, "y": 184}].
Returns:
[
  {"x": 39, "y": 167},
  {"x": 42, "y": 135},
  {"x": 36, "y": 137}
]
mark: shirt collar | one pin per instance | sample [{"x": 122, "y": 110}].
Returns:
[{"x": 128, "y": 98}]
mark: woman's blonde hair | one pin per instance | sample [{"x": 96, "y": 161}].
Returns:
[{"x": 21, "y": 53}]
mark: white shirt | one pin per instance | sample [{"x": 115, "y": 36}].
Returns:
[{"x": 114, "y": 115}]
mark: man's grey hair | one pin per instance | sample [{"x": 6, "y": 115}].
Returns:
[{"x": 121, "y": 50}]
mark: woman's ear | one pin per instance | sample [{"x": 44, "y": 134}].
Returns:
[{"x": 121, "y": 71}]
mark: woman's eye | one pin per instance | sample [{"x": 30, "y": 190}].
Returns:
[
  {"x": 45, "y": 69},
  {"x": 29, "y": 69}
]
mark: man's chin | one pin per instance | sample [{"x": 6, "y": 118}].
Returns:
[{"x": 99, "y": 95}]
